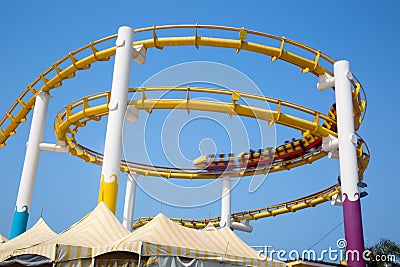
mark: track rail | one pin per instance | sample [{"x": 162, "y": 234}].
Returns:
[
  {"x": 94, "y": 107},
  {"x": 274, "y": 210},
  {"x": 76, "y": 61},
  {"x": 78, "y": 114}
]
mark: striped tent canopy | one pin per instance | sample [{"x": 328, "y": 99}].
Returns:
[
  {"x": 39, "y": 233},
  {"x": 163, "y": 238},
  {"x": 98, "y": 228},
  {"x": 3, "y": 239}
]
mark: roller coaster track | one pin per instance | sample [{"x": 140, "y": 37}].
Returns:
[
  {"x": 76, "y": 115},
  {"x": 69, "y": 120},
  {"x": 290, "y": 206},
  {"x": 76, "y": 61}
]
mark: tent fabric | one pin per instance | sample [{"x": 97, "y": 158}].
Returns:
[
  {"x": 98, "y": 228},
  {"x": 116, "y": 263},
  {"x": 179, "y": 262},
  {"x": 100, "y": 240},
  {"x": 162, "y": 237},
  {"x": 27, "y": 260},
  {"x": 3, "y": 239},
  {"x": 39, "y": 233},
  {"x": 118, "y": 259},
  {"x": 75, "y": 263}
]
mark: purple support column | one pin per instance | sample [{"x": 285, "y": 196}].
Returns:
[{"x": 353, "y": 231}]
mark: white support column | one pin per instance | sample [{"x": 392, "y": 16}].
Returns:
[
  {"x": 348, "y": 162},
  {"x": 117, "y": 107},
  {"x": 28, "y": 176},
  {"x": 130, "y": 194},
  {"x": 345, "y": 123},
  {"x": 226, "y": 202}
]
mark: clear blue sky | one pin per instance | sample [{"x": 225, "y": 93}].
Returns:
[{"x": 36, "y": 34}]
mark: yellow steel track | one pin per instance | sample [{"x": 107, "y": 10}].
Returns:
[
  {"x": 94, "y": 107},
  {"x": 290, "y": 206},
  {"x": 79, "y": 113},
  {"x": 54, "y": 75}
]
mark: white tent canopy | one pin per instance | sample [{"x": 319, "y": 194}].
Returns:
[
  {"x": 98, "y": 228},
  {"x": 39, "y": 233},
  {"x": 162, "y": 239},
  {"x": 100, "y": 240}
]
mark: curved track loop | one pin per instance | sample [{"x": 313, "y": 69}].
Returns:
[
  {"x": 76, "y": 61},
  {"x": 76, "y": 115},
  {"x": 290, "y": 206},
  {"x": 94, "y": 107}
]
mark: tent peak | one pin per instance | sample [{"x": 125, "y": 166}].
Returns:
[
  {"x": 102, "y": 205},
  {"x": 3, "y": 239},
  {"x": 210, "y": 227}
]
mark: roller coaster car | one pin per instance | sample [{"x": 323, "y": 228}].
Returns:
[
  {"x": 231, "y": 161},
  {"x": 204, "y": 161},
  {"x": 210, "y": 163},
  {"x": 296, "y": 148},
  {"x": 254, "y": 159},
  {"x": 299, "y": 147},
  {"x": 261, "y": 158}
]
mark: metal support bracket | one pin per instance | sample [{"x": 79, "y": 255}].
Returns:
[
  {"x": 139, "y": 53},
  {"x": 132, "y": 114},
  {"x": 330, "y": 143},
  {"x": 333, "y": 154},
  {"x": 325, "y": 81},
  {"x": 60, "y": 146},
  {"x": 243, "y": 226},
  {"x": 336, "y": 200}
]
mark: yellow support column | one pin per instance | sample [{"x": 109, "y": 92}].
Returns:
[{"x": 108, "y": 193}]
